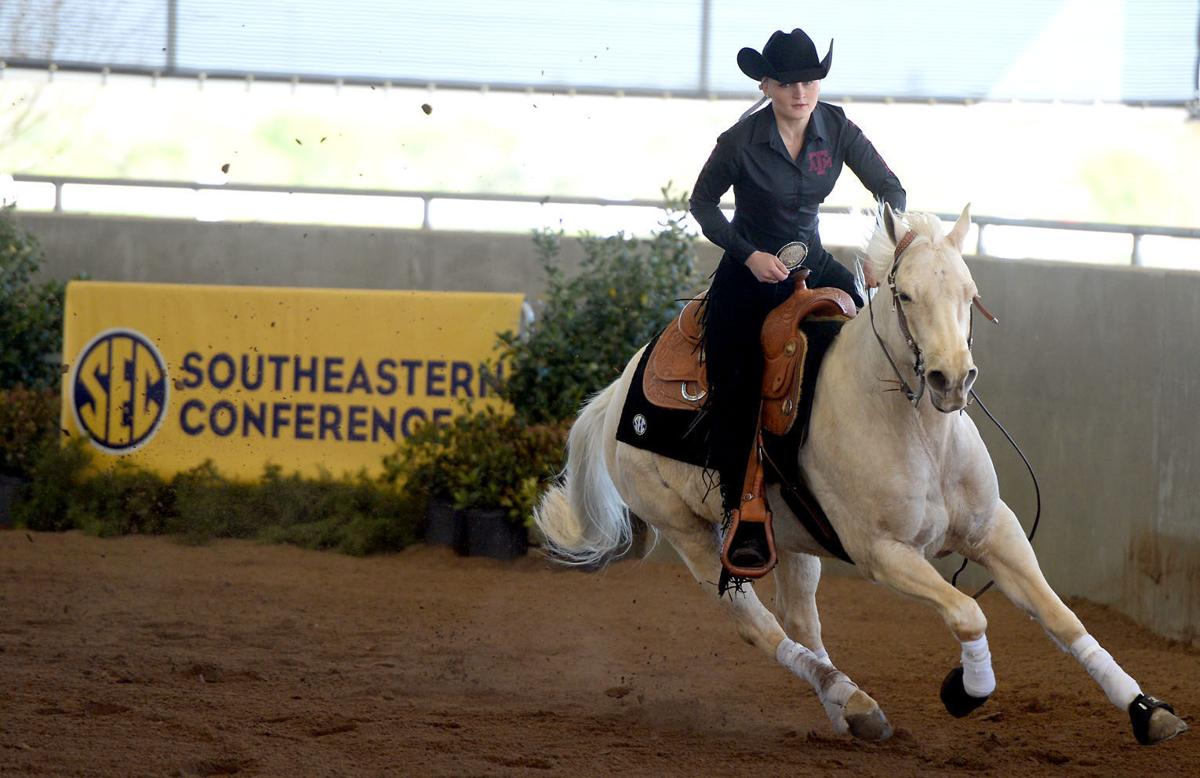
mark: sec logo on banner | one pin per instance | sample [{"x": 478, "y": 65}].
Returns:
[{"x": 119, "y": 391}]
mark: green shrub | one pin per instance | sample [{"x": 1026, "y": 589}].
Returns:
[
  {"x": 588, "y": 326},
  {"x": 49, "y": 501},
  {"x": 419, "y": 465},
  {"x": 363, "y": 520},
  {"x": 28, "y": 419},
  {"x": 125, "y": 500},
  {"x": 354, "y": 515},
  {"x": 207, "y": 505},
  {"x": 481, "y": 459},
  {"x": 30, "y": 312}
]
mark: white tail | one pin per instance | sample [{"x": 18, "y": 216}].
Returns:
[{"x": 582, "y": 515}]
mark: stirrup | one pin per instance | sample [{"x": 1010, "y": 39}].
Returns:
[{"x": 752, "y": 510}]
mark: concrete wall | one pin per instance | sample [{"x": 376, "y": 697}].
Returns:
[
  {"x": 1095, "y": 371},
  {"x": 179, "y": 251},
  {"x": 184, "y": 251}
]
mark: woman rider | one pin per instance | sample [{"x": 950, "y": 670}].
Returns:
[{"x": 782, "y": 163}]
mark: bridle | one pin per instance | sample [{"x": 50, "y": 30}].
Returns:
[{"x": 914, "y": 397}]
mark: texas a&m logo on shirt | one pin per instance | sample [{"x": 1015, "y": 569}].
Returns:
[{"x": 819, "y": 161}]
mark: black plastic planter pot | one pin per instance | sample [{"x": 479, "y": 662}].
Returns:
[
  {"x": 445, "y": 526},
  {"x": 9, "y": 488},
  {"x": 491, "y": 534}
]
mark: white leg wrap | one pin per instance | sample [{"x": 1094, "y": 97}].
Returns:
[
  {"x": 822, "y": 655},
  {"x": 978, "y": 678},
  {"x": 831, "y": 684},
  {"x": 1120, "y": 688},
  {"x": 793, "y": 656}
]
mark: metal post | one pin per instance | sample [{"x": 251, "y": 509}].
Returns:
[
  {"x": 425, "y": 201},
  {"x": 172, "y": 33},
  {"x": 705, "y": 34},
  {"x": 979, "y": 240},
  {"x": 1193, "y": 106},
  {"x": 1136, "y": 258},
  {"x": 58, "y": 196}
]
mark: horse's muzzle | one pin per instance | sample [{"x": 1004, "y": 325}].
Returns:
[{"x": 949, "y": 394}]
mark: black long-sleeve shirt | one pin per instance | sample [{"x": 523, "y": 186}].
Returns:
[{"x": 776, "y": 197}]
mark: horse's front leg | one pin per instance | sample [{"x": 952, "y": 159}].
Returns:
[
  {"x": 1007, "y": 555},
  {"x": 903, "y": 569}
]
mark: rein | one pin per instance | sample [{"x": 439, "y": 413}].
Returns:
[{"x": 1037, "y": 517}]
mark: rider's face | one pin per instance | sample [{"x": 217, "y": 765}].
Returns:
[{"x": 794, "y": 101}]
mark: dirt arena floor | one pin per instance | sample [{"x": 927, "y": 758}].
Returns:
[{"x": 142, "y": 656}]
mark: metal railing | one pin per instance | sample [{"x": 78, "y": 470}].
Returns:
[{"x": 982, "y": 223}]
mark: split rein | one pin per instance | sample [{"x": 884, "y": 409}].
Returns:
[{"x": 914, "y": 397}]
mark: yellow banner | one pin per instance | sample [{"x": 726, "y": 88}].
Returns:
[{"x": 171, "y": 375}]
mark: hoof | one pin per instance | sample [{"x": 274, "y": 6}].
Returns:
[
  {"x": 865, "y": 719},
  {"x": 958, "y": 703},
  {"x": 1154, "y": 720}
]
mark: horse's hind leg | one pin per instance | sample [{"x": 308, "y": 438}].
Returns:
[
  {"x": 796, "y": 578},
  {"x": 848, "y": 707},
  {"x": 1010, "y": 559}
]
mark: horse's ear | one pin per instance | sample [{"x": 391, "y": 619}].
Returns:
[
  {"x": 890, "y": 222},
  {"x": 958, "y": 235}
]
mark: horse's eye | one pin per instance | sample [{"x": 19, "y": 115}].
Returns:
[{"x": 902, "y": 297}]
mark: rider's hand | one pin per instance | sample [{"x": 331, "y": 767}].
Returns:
[{"x": 766, "y": 267}]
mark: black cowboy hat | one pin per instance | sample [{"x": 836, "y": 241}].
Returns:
[{"x": 787, "y": 58}]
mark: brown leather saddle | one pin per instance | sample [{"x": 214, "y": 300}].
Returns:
[{"x": 676, "y": 377}]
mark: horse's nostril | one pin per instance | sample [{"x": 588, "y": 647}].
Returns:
[
  {"x": 937, "y": 380},
  {"x": 972, "y": 374}
]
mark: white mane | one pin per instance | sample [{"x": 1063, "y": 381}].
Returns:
[{"x": 880, "y": 250}]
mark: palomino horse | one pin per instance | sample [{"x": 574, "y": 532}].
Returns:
[{"x": 902, "y": 481}]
